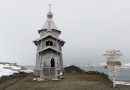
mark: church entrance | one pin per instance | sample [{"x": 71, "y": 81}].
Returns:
[{"x": 52, "y": 62}]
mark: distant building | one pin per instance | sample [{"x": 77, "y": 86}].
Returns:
[{"x": 49, "y": 61}]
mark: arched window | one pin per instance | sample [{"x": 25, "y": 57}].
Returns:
[{"x": 49, "y": 43}]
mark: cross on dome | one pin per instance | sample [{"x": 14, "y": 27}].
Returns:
[{"x": 50, "y": 15}]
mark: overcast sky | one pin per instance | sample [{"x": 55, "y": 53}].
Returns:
[{"x": 89, "y": 27}]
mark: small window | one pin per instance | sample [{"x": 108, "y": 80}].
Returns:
[{"x": 49, "y": 43}]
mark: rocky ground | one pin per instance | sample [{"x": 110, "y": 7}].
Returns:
[{"x": 74, "y": 79}]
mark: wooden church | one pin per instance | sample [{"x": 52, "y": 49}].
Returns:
[{"x": 49, "y": 61}]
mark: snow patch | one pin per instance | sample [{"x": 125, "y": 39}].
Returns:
[
  {"x": 122, "y": 83},
  {"x": 9, "y": 69}
]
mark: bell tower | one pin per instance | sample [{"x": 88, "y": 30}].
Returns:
[{"x": 49, "y": 61}]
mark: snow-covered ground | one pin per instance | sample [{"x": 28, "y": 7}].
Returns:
[
  {"x": 7, "y": 69},
  {"x": 122, "y": 83}
]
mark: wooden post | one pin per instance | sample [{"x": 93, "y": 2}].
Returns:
[
  {"x": 114, "y": 75},
  {"x": 114, "y": 81}
]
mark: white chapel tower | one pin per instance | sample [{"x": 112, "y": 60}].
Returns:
[{"x": 49, "y": 61}]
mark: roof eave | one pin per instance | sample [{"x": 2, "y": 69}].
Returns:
[
  {"x": 46, "y": 30},
  {"x": 49, "y": 36},
  {"x": 48, "y": 49}
]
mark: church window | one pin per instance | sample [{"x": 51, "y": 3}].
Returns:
[{"x": 49, "y": 43}]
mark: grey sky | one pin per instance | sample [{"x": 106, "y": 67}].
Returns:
[{"x": 89, "y": 27}]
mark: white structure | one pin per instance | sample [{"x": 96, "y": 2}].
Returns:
[
  {"x": 49, "y": 62},
  {"x": 113, "y": 63}
]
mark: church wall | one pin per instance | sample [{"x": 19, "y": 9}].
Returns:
[
  {"x": 54, "y": 33},
  {"x": 39, "y": 44},
  {"x": 46, "y": 59},
  {"x": 40, "y": 57},
  {"x": 43, "y": 33},
  {"x": 55, "y": 43}
]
